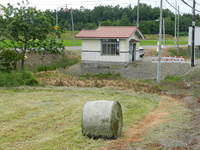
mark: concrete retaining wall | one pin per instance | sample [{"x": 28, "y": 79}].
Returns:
[{"x": 137, "y": 70}]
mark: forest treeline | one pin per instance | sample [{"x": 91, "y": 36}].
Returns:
[{"x": 122, "y": 16}]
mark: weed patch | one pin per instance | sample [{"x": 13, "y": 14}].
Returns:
[
  {"x": 106, "y": 76},
  {"x": 62, "y": 63},
  {"x": 174, "y": 78},
  {"x": 9, "y": 79},
  {"x": 182, "y": 52}
]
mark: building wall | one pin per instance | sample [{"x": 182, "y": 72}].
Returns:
[
  {"x": 91, "y": 45},
  {"x": 91, "y": 51}
]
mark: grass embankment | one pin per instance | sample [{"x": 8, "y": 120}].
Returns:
[
  {"x": 49, "y": 118},
  {"x": 61, "y": 63},
  {"x": 56, "y": 78}
]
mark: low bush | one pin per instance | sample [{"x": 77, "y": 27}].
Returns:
[
  {"x": 14, "y": 78},
  {"x": 8, "y": 59}
]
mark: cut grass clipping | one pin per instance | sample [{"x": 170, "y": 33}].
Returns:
[
  {"x": 11, "y": 79},
  {"x": 50, "y": 118}
]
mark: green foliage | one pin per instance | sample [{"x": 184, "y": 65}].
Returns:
[
  {"x": 49, "y": 46},
  {"x": 24, "y": 25},
  {"x": 62, "y": 63},
  {"x": 116, "y": 15},
  {"x": 174, "y": 78},
  {"x": 8, "y": 59},
  {"x": 106, "y": 76},
  {"x": 46, "y": 68},
  {"x": 14, "y": 78}
]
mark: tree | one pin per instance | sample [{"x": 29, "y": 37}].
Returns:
[{"x": 24, "y": 25}]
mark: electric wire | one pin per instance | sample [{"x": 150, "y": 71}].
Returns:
[
  {"x": 189, "y": 5},
  {"x": 174, "y": 7}
]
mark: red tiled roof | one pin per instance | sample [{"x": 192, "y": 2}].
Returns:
[{"x": 108, "y": 32}]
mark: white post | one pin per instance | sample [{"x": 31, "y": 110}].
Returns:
[
  {"x": 164, "y": 39},
  {"x": 175, "y": 29},
  {"x": 160, "y": 42},
  {"x": 72, "y": 20},
  {"x": 138, "y": 14},
  {"x": 178, "y": 28},
  {"x": 56, "y": 17}
]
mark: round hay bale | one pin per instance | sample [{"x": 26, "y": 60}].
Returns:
[{"x": 102, "y": 119}]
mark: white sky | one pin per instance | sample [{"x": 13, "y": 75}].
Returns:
[{"x": 55, "y": 4}]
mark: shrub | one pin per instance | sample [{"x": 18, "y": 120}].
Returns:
[
  {"x": 8, "y": 59},
  {"x": 14, "y": 78},
  {"x": 45, "y": 68}
]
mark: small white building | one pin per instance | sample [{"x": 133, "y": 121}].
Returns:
[{"x": 116, "y": 44}]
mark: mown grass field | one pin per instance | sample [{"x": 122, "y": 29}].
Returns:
[{"x": 49, "y": 118}]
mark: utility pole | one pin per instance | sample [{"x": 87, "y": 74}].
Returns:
[
  {"x": 193, "y": 34},
  {"x": 160, "y": 42},
  {"x": 72, "y": 21},
  {"x": 138, "y": 14},
  {"x": 178, "y": 28},
  {"x": 175, "y": 28},
  {"x": 56, "y": 17},
  {"x": 164, "y": 39}
]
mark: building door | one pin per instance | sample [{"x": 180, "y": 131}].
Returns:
[{"x": 132, "y": 49}]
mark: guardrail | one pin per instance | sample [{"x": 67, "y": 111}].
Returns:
[{"x": 169, "y": 60}]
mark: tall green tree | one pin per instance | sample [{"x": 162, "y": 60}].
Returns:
[{"x": 24, "y": 25}]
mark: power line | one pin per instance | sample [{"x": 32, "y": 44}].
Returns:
[
  {"x": 196, "y": 2},
  {"x": 173, "y": 7},
  {"x": 189, "y": 5}
]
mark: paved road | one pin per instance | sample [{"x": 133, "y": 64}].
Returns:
[{"x": 78, "y": 48}]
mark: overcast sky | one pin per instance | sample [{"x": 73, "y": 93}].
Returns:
[{"x": 55, "y": 4}]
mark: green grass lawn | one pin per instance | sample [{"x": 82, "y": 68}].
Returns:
[
  {"x": 72, "y": 42},
  {"x": 50, "y": 118},
  {"x": 168, "y": 42},
  {"x": 143, "y": 42}
]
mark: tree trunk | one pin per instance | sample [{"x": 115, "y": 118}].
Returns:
[{"x": 23, "y": 58}]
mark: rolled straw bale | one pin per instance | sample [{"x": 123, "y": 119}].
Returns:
[{"x": 102, "y": 119}]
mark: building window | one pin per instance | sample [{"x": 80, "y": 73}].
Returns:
[{"x": 110, "y": 47}]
